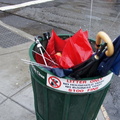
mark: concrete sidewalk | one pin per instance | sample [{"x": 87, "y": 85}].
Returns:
[{"x": 16, "y": 95}]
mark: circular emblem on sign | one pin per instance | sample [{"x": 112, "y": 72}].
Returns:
[{"x": 54, "y": 82}]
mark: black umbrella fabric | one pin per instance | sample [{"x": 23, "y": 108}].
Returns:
[{"x": 89, "y": 67}]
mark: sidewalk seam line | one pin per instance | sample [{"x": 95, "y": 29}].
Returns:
[
  {"x": 20, "y": 90},
  {"x": 8, "y": 97},
  {"x": 22, "y": 106},
  {"x": 16, "y": 101},
  {"x": 13, "y": 52},
  {"x": 4, "y": 101}
]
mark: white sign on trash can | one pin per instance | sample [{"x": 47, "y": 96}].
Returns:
[{"x": 77, "y": 86}]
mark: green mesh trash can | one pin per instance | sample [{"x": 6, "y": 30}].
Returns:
[{"x": 66, "y": 99}]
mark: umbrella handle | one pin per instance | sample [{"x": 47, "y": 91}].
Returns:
[{"x": 103, "y": 36}]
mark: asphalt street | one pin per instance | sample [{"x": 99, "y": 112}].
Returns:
[{"x": 68, "y": 16}]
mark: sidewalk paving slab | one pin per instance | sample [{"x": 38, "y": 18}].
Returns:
[
  {"x": 9, "y": 110},
  {"x": 14, "y": 72},
  {"x": 25, "y": 98}
]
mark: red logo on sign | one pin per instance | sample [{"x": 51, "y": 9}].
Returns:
[{"x": 54, "y": 82}]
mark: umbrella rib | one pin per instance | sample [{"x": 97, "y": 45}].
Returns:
[
  {"x": 43, "y": 56},
  {"x": 35, "y": 63},
  {"x": 47, "y": 53},
  {"x": 39, "y": 45},
  {"x": 46, "y": 58}
]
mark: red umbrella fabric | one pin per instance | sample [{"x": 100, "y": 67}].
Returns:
[{"x": 70, "y": 52}]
